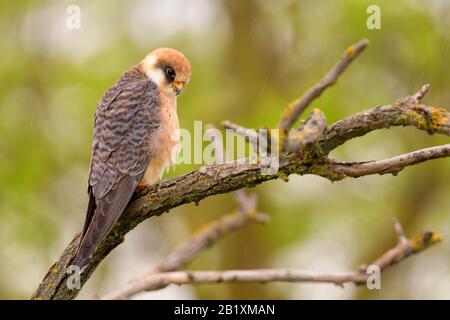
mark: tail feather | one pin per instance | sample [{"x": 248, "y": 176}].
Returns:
[{"x": 101, "y": 217}]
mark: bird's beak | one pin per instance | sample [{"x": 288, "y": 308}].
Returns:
[{"x": 177, "y": 86}]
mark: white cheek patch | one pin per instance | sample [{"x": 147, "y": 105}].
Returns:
[
  {"x": 156, "y": 75},
  {"x": 152, "y": 71}
]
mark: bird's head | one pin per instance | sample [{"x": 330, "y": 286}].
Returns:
[{"x": 168, "y": 69}]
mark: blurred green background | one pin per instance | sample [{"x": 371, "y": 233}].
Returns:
[{"x": 249, "y": 59}]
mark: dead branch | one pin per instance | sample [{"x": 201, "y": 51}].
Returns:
[
  {"x": 404, "y": 248},
  {"x": 393, "y": 165},
  {"x": 208, "y": 235},
  {"x": 231, "y": 176},
  {"x": 403, "y": 112},
  {"x": 296, "y": 108}
]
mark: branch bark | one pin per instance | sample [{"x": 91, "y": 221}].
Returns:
[{"x": 231, "y": 176}]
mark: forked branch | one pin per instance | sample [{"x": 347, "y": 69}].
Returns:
[
  {"x": 403, "y": 249},
  {"x": 306, "y": 151}
]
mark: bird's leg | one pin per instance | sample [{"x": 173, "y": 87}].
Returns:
[{"x": 141, "y": 186}]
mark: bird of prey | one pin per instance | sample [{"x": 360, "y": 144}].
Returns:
[{"x": 135, "y": 140}]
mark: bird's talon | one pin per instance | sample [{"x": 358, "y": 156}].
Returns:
[{"x": 141, "y": 186}]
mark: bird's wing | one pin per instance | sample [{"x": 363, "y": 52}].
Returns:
[{"x": 125, "y": 119}]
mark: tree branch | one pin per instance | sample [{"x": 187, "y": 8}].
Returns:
[
  {"x": 250, "y": 135},
  {"x": 208, "y": 235},
  {"x": 403, "y": 112},
  {"x": 309, "y": 132},
  {"x": 403, "y": 249},
  {"x": 393, "y": 165},
  {"x": 296, "y": 108},
  {"x": 231, "y": 176}
]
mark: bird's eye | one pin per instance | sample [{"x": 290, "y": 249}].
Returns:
[{"x": 170, "y": 73}]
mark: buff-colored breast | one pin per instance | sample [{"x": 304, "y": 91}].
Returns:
[{"x": 165, "y": 141}]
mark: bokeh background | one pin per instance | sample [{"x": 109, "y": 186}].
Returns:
[{"x": 249, "y": 59}]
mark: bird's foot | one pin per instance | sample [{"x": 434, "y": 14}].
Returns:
[{"x": 141, "y": 186}]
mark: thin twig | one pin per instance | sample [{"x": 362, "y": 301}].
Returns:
[
  {"x": 401, "y": 251},
  {"x": 419, "y": 95},
  {"x": 250, "y": 135},
  {"x": 401, "y": 238},
  {"x": 240, "y": 130},
  {"x": 296, "y": 108},
  {"x": 392, "y": 165},
  {"x": 208, "y": 235},
  {"x": 309, "y": 132}
]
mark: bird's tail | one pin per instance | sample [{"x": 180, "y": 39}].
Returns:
[
  {"x": 101, "y": 217},
  {"x": 82, "y": 256}
]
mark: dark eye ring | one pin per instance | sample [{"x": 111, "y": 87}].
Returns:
[{"x": 170, "y": 73}]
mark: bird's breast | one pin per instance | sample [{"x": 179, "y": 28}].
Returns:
[{"x": 165, "y": 142}]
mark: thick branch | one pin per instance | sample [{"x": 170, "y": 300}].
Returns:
[
  {"x": 403, "y": 249},
  {"x": 403, "y": 112}
]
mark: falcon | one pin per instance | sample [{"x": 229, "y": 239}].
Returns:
[{"x": 135, "y": 139}]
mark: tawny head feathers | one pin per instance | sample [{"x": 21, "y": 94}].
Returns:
[{"x": 168, "y": 69}]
